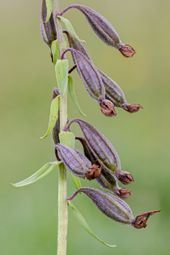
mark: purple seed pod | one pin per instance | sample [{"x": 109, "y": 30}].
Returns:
[
  {"x": 48, "y": 29},
  {"x": 107, "y": 179},
  {"x": 115, "y": 94},
  {"x": 110, "y": 205},
  {"x": 99, "y": 145},
  {"x": 88, "y": 73},
  {"x": 103, "y": 29},
  {"x": 77, "y": 162},
  {"x": 114, "y": 207},
  {"x": 92, "y": 80}
]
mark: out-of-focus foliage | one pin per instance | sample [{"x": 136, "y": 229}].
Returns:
[{"x": 28, "y": 215}]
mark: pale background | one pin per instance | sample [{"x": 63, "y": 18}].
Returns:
[{"x": 28, "y": 216}]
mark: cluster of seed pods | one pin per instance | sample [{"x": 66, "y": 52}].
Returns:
[{"x": 99, "y": 160}]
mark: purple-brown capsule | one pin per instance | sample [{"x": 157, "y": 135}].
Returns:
[
  {"x": 88, "y": 73},
  {"x": 110, "y": 205},
  {"x": 107, "y": 179},
  {"x": 77, "y": 162},
  {"x": 48, "y": 29},
  {"x": 116, "y": 95},
  {"x": 114, "y": 207},
  {"x": 99, "y": 145},
  {"x": 92, "y": 80},
  {"x": 103, "y": 29}
]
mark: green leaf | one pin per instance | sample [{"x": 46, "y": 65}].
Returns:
[
  {"x": 76, "y": 181},
  {"x": 67, "y": 138},
  {"x": 69, "y": 27},
  {"x": 72, "y": 92},
  {"x": 55, "y": 50},
  {"x": 49, "y": 5},
  {"x": 85, "y": 225},
  {"x": 53, "y": 116},
  {"x": 41, "y": 173},
  {"x": 61, "y": 71}
]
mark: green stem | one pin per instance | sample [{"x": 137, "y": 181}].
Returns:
[{"x": 62, "y": 178}]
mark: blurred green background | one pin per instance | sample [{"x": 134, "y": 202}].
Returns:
[{"x": 28, "y": 216}]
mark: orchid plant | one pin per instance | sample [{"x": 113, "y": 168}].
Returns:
[{"x": 99, "y": 160}]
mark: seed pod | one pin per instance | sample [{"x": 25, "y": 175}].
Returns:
[
  {"x": 103, "y": 29},
  {"x": 48, "y": 29},
  {"x": 99, "y": 145},
  {"x": 110, "y": 205},
  {"x": 92, "y": 80},
  {"x": 107, "y": 179},
  {"x": 89, "y": 74},
  {"x": 77, "y": 162},
  {"x": 114, "y": 207},
  {"x": 115, "y": 94}
]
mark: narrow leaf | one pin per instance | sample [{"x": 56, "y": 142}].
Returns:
[
  {"x": 39, "y": 174},
  {"x": 49, "y": 4},
  {"x": 76, "y": 181},
  {"x": 53, "y": 116},
  {"x": 85, "y": 225},
  {"x": 67, "y": 138},
  {"x": 69, "y": 27},
  {"x": 72, "y": 92},
  {"x": 55, "y": 50},
  {"x": 61, "y": 70}
]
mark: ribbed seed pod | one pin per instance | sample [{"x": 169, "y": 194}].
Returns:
[
  {"x": 115, "y": 94},
  {"x": 92, "y": 80},
  {"x": 99, "y": 145},
  {"x": 89, "y": 74},
  {"x": 77, "y": 162},
  {"x": 110, "y": 205},
  {"x": 114, "y": 207},
  {"x": 107, "y": 179},
  {"x": 48, "y": 29},
  {"x": 103, "y": 29},
  {"x": 113, "y": 91}
]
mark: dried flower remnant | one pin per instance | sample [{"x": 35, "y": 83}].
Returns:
[
  {"x": 124, "y": 177},
  {"x": 114, "y": 207},
  {"x": 77, "y": 162},
  {"x": 48, "y": 28},
  {"x": 103, "y": 29}
]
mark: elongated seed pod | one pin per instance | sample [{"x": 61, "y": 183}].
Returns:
[
  {"x": 114, "y": 207},
  {"x": 92, "y": 81},
  {"x": 112, "y": 90},
  {"x": 99, "y": 145},
  {"x": 48, "y": 29},
  {"x": 103, "y": 29},
  {"x": 116, "y": 95},
  {"x": 110, "y": 205},
  {"x": 107, "y": 179},
  {"x": 77, "y": 162},
  {"x": 89, "y": 74}
]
